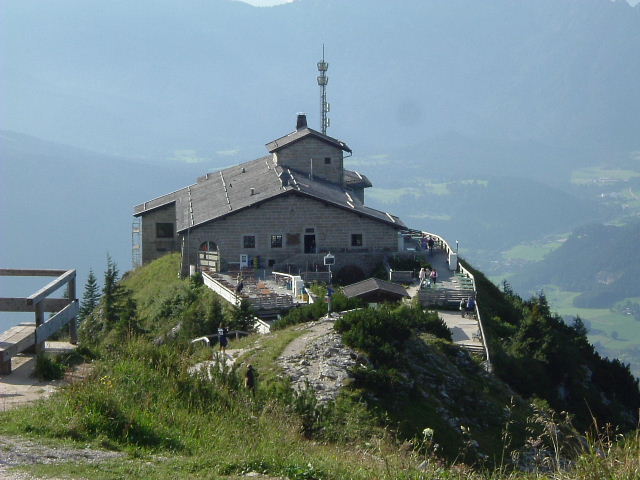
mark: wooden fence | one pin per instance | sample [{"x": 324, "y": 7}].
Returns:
[{"x": 34, "y": 335}]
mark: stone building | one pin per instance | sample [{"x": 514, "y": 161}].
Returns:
[{"x": 283, "y": 211}]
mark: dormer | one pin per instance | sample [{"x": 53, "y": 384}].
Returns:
[{"x": 310, "y": 152}]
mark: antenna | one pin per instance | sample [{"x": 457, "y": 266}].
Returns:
[{"x": 322, "y": 81}]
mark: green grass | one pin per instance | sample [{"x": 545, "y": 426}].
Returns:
[
  {"x": 532, "y": 252},
  {"x": 142, "y": 401},
  {"x": 589, "y": 175},
  {"x": 271, "y": 346},
  {"x": 154, "y": 280}
]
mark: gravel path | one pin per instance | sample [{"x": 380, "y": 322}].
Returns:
[{"x": 16, "y": 451}]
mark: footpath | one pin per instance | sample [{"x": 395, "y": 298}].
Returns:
[{"x": 464, "y": 330}]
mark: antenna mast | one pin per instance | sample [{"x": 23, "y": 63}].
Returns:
[{"x": 322, "y": 81}]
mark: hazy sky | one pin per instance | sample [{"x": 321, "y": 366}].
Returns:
[{"x": 270, "y": 3}]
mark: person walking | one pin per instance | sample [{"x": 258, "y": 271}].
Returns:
[
  {"x": 430, "y": 243},
  {"x": 422, "y": 275}
]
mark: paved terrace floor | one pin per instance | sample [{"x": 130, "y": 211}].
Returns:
[
  {"x": 256, "y": 283},
  {"x": 465, "y": 331},
  {"x": 20, "y": 387}
]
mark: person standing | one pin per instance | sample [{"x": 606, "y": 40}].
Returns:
[
  {"x": 250, "y": 379},
  {"x": 434, "y": 276},
  {"x": 422, "y": 275},
  {"x": 430, "y": 243},
  {"x": 223, "y": 338}
]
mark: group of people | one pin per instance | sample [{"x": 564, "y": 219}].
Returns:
[
  {"x": 427, "y": 277},
  {"x": 427, "y": 242},
  {"x": 468, "y": 306}
]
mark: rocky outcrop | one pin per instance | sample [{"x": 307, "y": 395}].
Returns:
[{"x": 319, "y": 360}]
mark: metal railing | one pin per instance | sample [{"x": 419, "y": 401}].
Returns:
[{"x": 442, "y": 243}]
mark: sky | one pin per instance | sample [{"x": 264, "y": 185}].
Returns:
[{"x": 271, "y": 3}]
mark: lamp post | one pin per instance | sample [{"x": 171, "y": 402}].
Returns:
[{"x": 328, "y": 261}]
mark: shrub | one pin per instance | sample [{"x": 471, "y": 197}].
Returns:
[
  {"x": 48, "y": 369},
  {"x": 381, "y": 333}
]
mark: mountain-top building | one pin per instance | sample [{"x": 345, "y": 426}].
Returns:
[{"x": 284, "y": 211}]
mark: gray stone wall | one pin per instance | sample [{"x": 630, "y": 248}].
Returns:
[
  {"x": 299, "y": 156},
  {"x": 152, "y": 246},
  {"x": 290, "y": 216}
]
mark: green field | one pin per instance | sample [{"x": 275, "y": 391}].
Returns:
[
  {"x": 533, "y": 252},
  {"x": 590, "y": 175}
]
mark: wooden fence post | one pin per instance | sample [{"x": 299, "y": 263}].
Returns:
[{"x": 39, "y": 307}]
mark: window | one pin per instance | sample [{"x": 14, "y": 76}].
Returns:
[
  {"x": 248, "y": 241},
  {"x": 164, "y": 230},
  {"x": 208, "y": 247},
  {"x": 276, "y": 241},
  {"x": 327, "y": 160},
  {"x": 356, "y": 239}
]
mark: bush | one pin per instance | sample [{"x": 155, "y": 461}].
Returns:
[
  {"x": 48, "y": 369},
  {"x": 314, "y": 311},
  {"x": 381, "y": 333}
]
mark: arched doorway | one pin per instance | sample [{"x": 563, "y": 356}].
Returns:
[{"x": 208, "y": 257}]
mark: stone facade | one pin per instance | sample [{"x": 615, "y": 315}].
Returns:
[
  {"x": 311, "y": 155},
  {"x": 156, "y": 240},
  {"x": 292, "y": 217}
]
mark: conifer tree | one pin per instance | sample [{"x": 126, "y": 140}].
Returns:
[
  {"x": 111, "y": 292},
  {"x": 90, "y": 297}
]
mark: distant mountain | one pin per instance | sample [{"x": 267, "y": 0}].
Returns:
[
  {"x": 64, "y": 207},
  {"x": 485, "y": 212},
  {"x": 151, "y": 78},
  {"x": 601, "y": 261}
]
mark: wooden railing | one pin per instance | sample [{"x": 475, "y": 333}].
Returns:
[
  {"x": 218, "y": 287},
  {"x": 66, "y": 308}
]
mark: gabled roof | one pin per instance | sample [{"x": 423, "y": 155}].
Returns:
[
  {"x": 303, "y": 133},
  {"x": 356, "y": 180},
  {"x": 227, "y": 191},
  {"x": 336, "y": 195},
  {"x": 374, "y": 285}
]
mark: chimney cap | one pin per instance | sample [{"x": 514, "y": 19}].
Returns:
[{"x": 301, "y": 121}]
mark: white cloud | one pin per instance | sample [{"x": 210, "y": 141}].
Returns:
[
  {"x": 187, "y": 156},
  {"x": 228, "y": 153},
  {"x": 265, "y": 3}
]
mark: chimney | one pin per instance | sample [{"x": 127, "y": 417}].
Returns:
[
  {"x": 252, "y": 190},
  {"x": 302, "y": 121}
]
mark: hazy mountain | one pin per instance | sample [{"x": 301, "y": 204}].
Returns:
[
  {"x": 64, "y": 207},
  {"x": 150, "y": 78},
  {"x": 599, "y": 260}
]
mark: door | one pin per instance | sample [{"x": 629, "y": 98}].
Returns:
[{"x": 310, "y": 243}]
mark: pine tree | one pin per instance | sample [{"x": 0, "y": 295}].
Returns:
[
  {"x": 90, "y": 297},
  {"x": 111, "y": 291}
]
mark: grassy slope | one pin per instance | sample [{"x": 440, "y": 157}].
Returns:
[{"x": 173, "y": 425}]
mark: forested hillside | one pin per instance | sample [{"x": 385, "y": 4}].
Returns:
[{"x": 601, "y": 261}]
